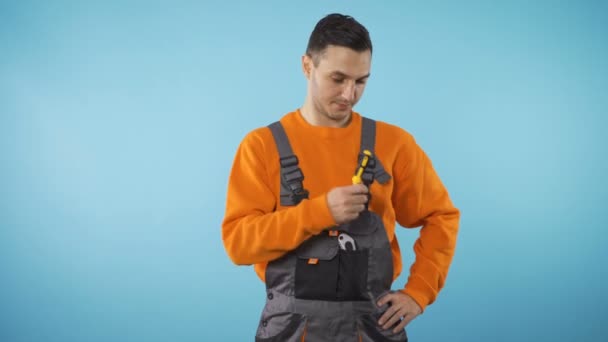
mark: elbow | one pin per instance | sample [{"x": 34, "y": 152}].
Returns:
[
  {"x": 235, "y": 251},
  {"x": 237, "y": 258}
]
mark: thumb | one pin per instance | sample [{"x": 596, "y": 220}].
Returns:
[{"x": 358, "y": 189}]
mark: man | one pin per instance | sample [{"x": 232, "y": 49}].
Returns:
[{"x": 313, "y": 201}]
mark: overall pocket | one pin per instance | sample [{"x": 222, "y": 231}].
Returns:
[
  {"x": 316, "y": 279},
  {"x": 352, "y": 275},
  {"x": 284, "y": 327},
  {"x": 342, "y": 278},
  {"x": 326, "y": 272},
  {"x": 317, "y": 264},
  {"x": 370, "y": 331}
]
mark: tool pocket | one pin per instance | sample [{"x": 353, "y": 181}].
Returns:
[
  {"x": 369, "y": 331},
  {"x": 282, "y": 327},
  {"x": 317, "y": 266},
  {"x": 352, "y": 275},
  {"x": 325, "y": 272}
]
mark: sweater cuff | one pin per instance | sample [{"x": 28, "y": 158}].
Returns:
[
  {"x": 317, "y": 214},
  {"x": 420, "y": 291}
]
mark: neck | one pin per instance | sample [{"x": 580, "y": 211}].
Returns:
[{"x": 315, "y": 118}]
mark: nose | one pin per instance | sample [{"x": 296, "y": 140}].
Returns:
[{"x": 348, "y": 92}]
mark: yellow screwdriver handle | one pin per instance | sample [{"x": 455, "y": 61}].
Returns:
[{"x": 364, "y": 161}]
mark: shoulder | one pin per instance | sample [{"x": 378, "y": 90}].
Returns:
[
  {"x": 258, "y": 135},
  {"x": 261, "y": 142},
  {"x": 258, "y": 140},
  {"x": 262, "y": 137},
  {"x": 391, "y": 134}
]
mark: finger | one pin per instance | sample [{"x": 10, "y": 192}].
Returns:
[
  {"x": 357, "y": 189},
  {"x": 356, "y": 199},
  {"x": 360, "y": 188},
  {"x": 391, "y": 322},
  {"x": 394, "y": 319},
  {"x": 355, "y": 209},
  {"x": 361, "y": 199},
  {"x": 401, "y": 326},
  {"x": 350, "y": 216},
  {"x": 406, "y": 320},
  {"x": 387, "y": 298},
  {"x": 360, "y": 207},
  {"x": 388, "y": 314}
]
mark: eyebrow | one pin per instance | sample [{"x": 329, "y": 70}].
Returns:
[{"x": 341, "y": 74}]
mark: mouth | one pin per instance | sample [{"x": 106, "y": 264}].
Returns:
[{"x": 342, "y": 106}]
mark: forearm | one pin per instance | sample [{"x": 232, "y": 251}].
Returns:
[
  {"x": 252, "y": 237},
  {"x": 421, "y": 199},
  {"x": 434, "y": 252}
]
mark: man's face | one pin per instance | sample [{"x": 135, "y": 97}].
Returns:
[{"x": 337, "y": 82}]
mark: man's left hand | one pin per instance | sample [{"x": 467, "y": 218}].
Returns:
[{"x": 402, "y": 309}]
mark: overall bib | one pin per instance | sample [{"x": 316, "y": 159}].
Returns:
[{"x": 326, "y": 289}]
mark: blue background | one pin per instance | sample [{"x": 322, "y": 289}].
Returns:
[{"x": 119, "y": 123}]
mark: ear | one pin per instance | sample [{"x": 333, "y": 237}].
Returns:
[{"x": 306, "y": 66}]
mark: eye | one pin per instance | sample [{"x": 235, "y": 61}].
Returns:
[
  {"x": 337, "y": 80},
  {"x": 361, "y": 81}
]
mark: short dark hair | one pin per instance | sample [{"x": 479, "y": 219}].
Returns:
[{"x": 341, "y": 30}]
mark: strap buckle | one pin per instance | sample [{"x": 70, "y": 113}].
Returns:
[{"x": 288, "y": 161}]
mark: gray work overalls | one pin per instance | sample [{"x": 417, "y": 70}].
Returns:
[{"x": 326, "y": 289}]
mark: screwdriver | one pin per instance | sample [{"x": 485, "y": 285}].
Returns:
[{"x": 357, "y": 177}]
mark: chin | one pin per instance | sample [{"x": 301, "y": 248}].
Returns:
[{"x": 339, "y": 115}]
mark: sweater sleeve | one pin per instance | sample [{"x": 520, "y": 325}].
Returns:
[
  {"x": 420, "y": 199},
  {"x": 252, "y": 231}
]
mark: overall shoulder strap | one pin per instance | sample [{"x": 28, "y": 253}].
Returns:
[
  {"x": 292, "y": 188},
  {"x": 375, "y": 170}
]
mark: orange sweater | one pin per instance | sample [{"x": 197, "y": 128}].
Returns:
[{"x": 257, "y": 229}]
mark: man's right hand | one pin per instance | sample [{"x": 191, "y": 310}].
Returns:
[{"x": 346, "y": 202}]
